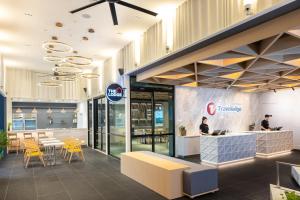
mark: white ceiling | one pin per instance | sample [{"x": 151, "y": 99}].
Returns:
[{"x": 26, "y": 24}]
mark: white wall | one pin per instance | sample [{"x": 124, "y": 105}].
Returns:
[
  {"x": 82, "y": 120},
  {"x": 191, "y": 103},
  {"x": 284, "y": 105}
]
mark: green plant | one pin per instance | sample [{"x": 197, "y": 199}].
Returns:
[
  {"x": 182, "y": 130},
  {"x": 3, "y": 142},
  {"x": 292, "y": 196},
  {"x": 3, "y": 139}
]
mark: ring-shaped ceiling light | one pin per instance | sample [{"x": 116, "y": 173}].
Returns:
[
  {"x": 90, "y": 75},
  {"x": 64, "y": 78},
  {"x": 56, "y": 46},
  {"x": 50, "y": 83},
  {"x": 54, "y": 59},
  {"x": 66, "y": 69},
  {"x": 78, "y": 60}
]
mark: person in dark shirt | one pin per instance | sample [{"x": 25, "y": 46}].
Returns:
[
  {"x": 265, "y": 126},
  {"x": 204, "y": 129}
]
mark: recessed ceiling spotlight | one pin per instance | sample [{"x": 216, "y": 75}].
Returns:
[
  {"x": 75, "y": 52},
  {"x": 54, "y": 38},
  {"x": 86, "y": 16},
  {"x": 59, "y": 24},
  {"x": 28, "y": 14},
  {"x": 85, "y": 38},
  {"x": 91, "y": 30}
]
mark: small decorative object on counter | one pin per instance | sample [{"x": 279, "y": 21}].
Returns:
[
  {"x": 252, "y": 127},
  {"x": 182, "y": 130}
]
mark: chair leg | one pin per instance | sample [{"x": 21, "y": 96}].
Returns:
[
  {"x": 70, "y": 157},
  {"x": 27, "y": 162},
  {"x": 42, "y": 160},
  {"x": 82, "y": 156},
  {"x": 65, "y": 154}
]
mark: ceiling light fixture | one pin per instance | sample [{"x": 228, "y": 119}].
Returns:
[
  {"x": 248, "y": 7},
  {"x": 59, "y": 24},
  {"x": 65, "y": 78},
  {"x": 34, "y": 111},
  {"x": 56, "y": 46},
  {"x": 63, "y": 111},
  {"x": 65, "y": 68},
  {"x": 78, "y": 60},
  {"x": 55, "y": 59},
  {"x": 50, "y": 83},
  {"x": 49, "y": 111},
  {"x": 18, "y": 110},
  {"x": 90, "y": 75}
]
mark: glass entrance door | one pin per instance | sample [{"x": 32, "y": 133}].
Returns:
[
  {"x": 152, "y": 121},
  {"x": 100, "y": 134}
]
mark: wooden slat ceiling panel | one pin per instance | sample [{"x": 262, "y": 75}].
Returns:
[{"x": 268, "y": 64}]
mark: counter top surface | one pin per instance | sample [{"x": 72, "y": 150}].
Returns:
[
  {"x": 188, "y": 136},
  {"x": 266, "y": 131},
  {"x": 229, "y": 135}
]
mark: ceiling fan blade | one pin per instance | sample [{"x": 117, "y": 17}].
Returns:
[
  {"x": 113, "y": 13},
  {"x": 123, "y": 3},
  {"x": 87, "y": 6}
]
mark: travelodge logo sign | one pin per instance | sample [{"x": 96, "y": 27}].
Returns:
[
  {"x": 212, "y": 108},
  {"x": 114, "y": 92}
]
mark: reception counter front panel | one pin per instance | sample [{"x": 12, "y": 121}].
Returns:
[
  {"x": 273, "y": 142},
  {"x": 229, "y": 148}
]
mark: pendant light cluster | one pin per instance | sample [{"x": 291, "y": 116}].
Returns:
[{"x": 67, "y": 67}]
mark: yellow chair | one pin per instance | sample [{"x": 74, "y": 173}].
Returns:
[
  {"x": 32, "y": 150},
  {"x": 75, "y": 147},
  {"x": 66, "y": 145}
]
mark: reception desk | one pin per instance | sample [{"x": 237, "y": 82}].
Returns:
[
  {"x": 187, "y": 145},
  {"x": 269, "y": 143},
  {"x": 224, "y": 149}
]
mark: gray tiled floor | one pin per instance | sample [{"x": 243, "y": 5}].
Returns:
[{"x": 99, "y": 179}]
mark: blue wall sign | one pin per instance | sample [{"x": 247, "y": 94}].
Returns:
[{"x": 114, "y": 92}]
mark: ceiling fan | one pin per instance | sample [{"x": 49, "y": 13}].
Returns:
[{"x": 113, "y": 8}]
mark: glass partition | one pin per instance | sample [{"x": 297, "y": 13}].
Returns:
[
  {"x": 116, "y": 127},
  {"x": 100, "y": 129},
  {"x": 90, "y": 123}
]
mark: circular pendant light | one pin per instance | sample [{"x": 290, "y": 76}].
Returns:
[
  {"x": 56, "y": 46},
  {"x": 90, "y": 75},
  {"x": 50, "y": 83},
  {"x": 65, "y": 69},
  {"x": 54, "y": 59},
  {"x": 65, "y": 78},
  {"x": 78, "y": 60}
]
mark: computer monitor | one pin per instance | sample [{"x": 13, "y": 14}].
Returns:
[
  {"x": 223, "y": 132},
  {"x": 216, "y": 132}
]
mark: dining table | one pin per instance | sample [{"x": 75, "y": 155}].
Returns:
[{"x": 50, "y": 145}]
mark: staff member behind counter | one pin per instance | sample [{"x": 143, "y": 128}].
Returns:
[
  {"x": 204, "y": 129},
  {"x": 265, "y": 126}
]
